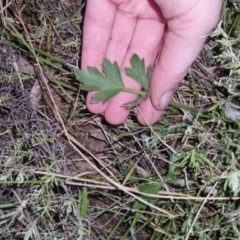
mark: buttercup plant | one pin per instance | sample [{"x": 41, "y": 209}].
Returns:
[{"x": 110, "y": 83}]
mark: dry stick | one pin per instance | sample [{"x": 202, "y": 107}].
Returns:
[
  {"x": 5, "y": 132},
  {"x": 16, "y": 68},
  {"x": 158, "y": 174},
  {"x": 161, "y": 194},
  {"x": 90, "y": 185},
  {"x": 164, "y": 143},
  {"x": 73, "y": 141},
  {"x": 68, "y": 178},
  {"x": 5, "y": 7},
  {"x": 200, "y": 209}
]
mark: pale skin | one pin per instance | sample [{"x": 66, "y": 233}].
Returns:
[{"x": 173, "y": 30}]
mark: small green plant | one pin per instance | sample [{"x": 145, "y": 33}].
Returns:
[{"x": 110, "y": 83}]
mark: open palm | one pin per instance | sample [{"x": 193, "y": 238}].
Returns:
[{"x": 172, "y": 30}]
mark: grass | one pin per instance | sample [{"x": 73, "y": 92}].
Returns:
[{"x": 66, "y": 174}]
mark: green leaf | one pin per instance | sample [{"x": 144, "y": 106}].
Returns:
[
  {"x": 106, "y": 95},
  {"x": 150, "y": 189},
  {"x": 112, "y": 71},
  {"x": 137, "y": 71},
  {"x": 84, "y": 203},
  {"x": 91, "y": 79},
  {"x": 108, "y": 85}
]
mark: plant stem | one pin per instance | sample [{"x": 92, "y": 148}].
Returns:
[
  {"x": 172, "y": 103},
  {"x": 181, "y": 106},
  {"x": 130, "y": 90}
]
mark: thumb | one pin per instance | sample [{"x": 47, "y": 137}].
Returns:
[
  {"x": 175, "y": 59},
  {"x": 184, "y": 39}
]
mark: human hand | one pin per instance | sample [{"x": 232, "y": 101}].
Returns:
[{"x": 173, "y": 30}]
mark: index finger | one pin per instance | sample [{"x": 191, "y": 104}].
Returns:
[{"x": 98, "y": 22}]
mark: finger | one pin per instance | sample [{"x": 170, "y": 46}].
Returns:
[
  {"x": 176, "y": 58},
  {"x": 121, "y": 36},
  {"x": 183, "y": 42},
  {"x": 116, "y": 50},
  {"x": 147, "y": 114},
  {"x": 145, "y": 42},
  {"x": 96, "y": 33}
]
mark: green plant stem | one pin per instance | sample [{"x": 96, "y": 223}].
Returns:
[
  {"x": 172, "y": 103},
  {"x": 130, "y": 90},
  {"x": 181, "y": 106},
  {"x": 27, "y": 182},
  {"x": 138, "y": 92}
]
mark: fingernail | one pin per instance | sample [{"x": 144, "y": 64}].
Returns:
[{"x": 165, "y": 99}]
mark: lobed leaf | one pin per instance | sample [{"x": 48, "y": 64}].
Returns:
[
  {"x": 137, "y": 71},
  {"x": 108, "y": 85},
  {"x": 90, "y": 79},
  {"x": 106, "y": 95},
  {"x": 112, "y": 71}
]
